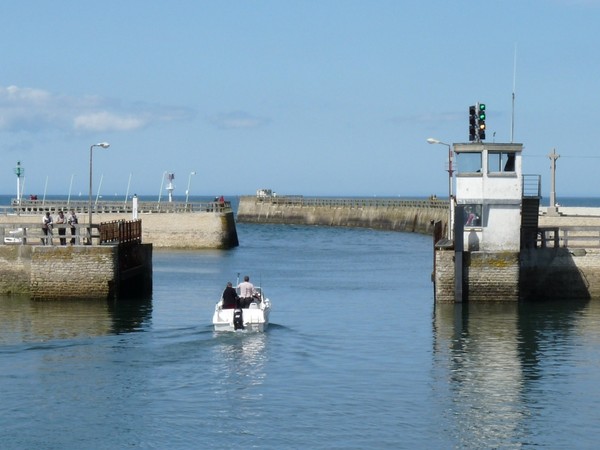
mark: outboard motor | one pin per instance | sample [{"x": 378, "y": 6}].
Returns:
[{"x": 238, "y": 319}]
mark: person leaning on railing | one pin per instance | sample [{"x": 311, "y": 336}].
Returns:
[
  {"x": 61, "y": 231},
  {"x": 47, "y": 228},
  {"x": 72, "y": 221}
]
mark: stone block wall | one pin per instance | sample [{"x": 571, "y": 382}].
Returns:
[
  {"x": 491, "y": 276},
  {"x": 560, "y": 273},
  {"x": 531, "y": 275},
  {"x": 444, "y": 276},
  {"x": 486, "y": 276},
  {"x": 189, "y": 230},
  {"x": 59, "y": 272},
  {"x": 76, "y": 272},
  {"x": 587, "y": 262},
  {"x": 15, "y": 267}
]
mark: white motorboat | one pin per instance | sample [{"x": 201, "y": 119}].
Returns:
[
  {"x": 253, "y": 318},
  {"x": 15, "y": 238}
]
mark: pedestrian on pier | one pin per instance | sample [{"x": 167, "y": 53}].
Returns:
[
  {"x": 72, "y": 221},
  {"x": 47, "y": 229},
  {"x": 61, "y": 230}
]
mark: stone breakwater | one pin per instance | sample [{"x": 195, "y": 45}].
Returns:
[
  {"x": 197, "y": 230},
  {"x": 76, "y": 272},
  {"x": 386, "y": 214}
]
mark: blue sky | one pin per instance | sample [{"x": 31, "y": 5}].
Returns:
[{"x": 303, "y": 97}]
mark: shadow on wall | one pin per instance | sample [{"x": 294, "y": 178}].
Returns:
[{"x": 551, "y": 274}]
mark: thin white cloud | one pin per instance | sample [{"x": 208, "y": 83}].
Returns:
[
  {"x": 25, "y": 95},
  {"x": 36, "y": 109},
  {"x": 237, "y": 120},
  {"x": 105, "y": 121}
]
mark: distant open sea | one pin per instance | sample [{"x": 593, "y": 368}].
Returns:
[{"x": 6, "y": 199}]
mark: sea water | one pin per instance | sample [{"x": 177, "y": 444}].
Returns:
[{"x": 357, "y": 356}]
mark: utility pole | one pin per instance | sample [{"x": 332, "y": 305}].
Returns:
[{"x": 553, "y": 209}]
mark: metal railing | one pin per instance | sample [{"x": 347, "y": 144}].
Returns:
[
  {"x": 121, "y": 232},
  {"x": 27, "y": 233},
  {"x": 117, "y": 232},
  {"x": 568, "y": 236},
  {"x": 25, "y": 206},
  {"x": 300, "y": 201},
  {"x": 532, "y": 186}
]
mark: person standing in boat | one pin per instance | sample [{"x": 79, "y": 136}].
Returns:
[
  {"x": 246, "y": 290},
  {"x": 230, "y": 297}
]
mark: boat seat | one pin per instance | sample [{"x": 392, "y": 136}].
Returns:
[{"x": 253, "y": 305}]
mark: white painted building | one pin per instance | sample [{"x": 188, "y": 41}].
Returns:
[{"x": 489, "y": 186}]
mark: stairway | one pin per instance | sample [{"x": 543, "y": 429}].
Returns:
[{"x": 530, "y": 211}]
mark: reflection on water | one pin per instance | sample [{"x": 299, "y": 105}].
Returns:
[
  {"x": 240, "y": 358},
  {"x": 484, "y": 370},
  {"x": 26, "y": 320},
  {"x": 238, "y": 364},
  {"x": 130, "y": 315},
  {"x": 491, "y": 358}
]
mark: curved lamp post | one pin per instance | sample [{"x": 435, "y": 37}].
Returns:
[
  {"x": 103, "y": 145},
  {"x": 187, "y": 192},
  {"x": 162, "y": 181},
  {"x": 450, "y": 171}
]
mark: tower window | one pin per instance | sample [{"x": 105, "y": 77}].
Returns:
[{"x": 501, "y": 162}]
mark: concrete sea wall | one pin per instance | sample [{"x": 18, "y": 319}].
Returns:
[{"x": 396, "y": 215}]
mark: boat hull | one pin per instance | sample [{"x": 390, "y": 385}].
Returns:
[{"x": 255, "y": 318}]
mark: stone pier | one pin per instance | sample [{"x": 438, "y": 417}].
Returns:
[
  {"x": 76, "y": 272},
  {"x": 386, "y": 214}
]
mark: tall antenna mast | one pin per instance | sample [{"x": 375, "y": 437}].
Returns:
[{"x": 512, "y": 127}]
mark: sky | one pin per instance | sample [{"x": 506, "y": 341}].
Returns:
[{"x": 311, "y": 97}]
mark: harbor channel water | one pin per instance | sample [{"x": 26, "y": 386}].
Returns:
[{"x": 357, "y": 356}]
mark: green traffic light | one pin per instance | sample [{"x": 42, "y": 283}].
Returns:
[
  {"x": 481, "y": 116},
  {"x": 482, "y": 107}
]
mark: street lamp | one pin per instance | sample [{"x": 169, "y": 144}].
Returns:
[
  {"x": 450, "y": 171},
  {"x": 187, "y": 192},
  {"x": 103, "y": 145}
]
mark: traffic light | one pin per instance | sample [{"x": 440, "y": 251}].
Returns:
[
  {"x": 472, "y": 123},
  {"x": 481, "y": 121}
]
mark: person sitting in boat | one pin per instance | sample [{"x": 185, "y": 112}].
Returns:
[
  {"x": 247, "y": 292},
  {"x": 230, "y": 297}
]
